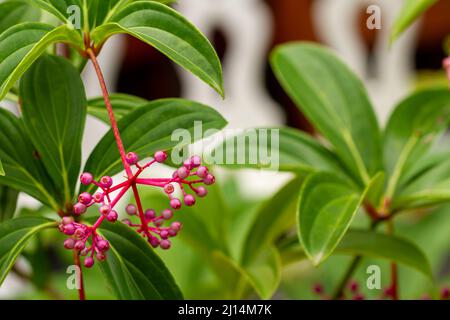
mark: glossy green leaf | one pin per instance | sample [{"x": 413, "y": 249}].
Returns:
[
  {"x": 412, "y": 128},
  {"x": 54, "y": 113},
  {"x": 2, "y": 171},
  {"x": 23, "y": 168},
  {"x": 165, "y": 29},
  {"x": 8, "y": 202},
  {"x": 16, "y": 12},
  {"x": 122, "y": 105},
  {"x": 14, "y": 235},
  {"x": 326, "y": 208},
  {"x": 371, "y": 244},
  {"x": 150, "y": 128},
  {"x": 21, "y": 45},
  {"x": 335, "y": 102},
  {"x": 132, "y": 269},
  {"x": 410, "y": 11},
  {"x": 283, "y": 149}
]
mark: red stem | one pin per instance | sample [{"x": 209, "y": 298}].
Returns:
[
  {"x": 112, "y": 118},
  {"x": 81, "y": 293}
]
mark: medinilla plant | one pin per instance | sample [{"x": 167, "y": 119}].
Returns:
[
  {"x": 350, "y": 165},
  {"x": 41, "y": 147}
]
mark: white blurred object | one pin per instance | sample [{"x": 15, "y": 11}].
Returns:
[{"x": 393, "y": 68}]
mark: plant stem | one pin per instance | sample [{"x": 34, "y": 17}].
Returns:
[
  {"x": 81, "y": 293},
  {"x": 112, "y": 118},
  {"x": 338, "y": 293},
  {"x": 394, "y": 268}
]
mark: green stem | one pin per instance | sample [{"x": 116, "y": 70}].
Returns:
[{"x": 338, "y": 293}]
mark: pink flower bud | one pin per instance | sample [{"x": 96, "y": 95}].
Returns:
[
  {"x": 160, "y": 156},
  {"x": 69, "y": 243},
  {"x": 86, "y": 178},
  {"x": 106, "y": 182},
  {"x": 209, "y": 179},
  {"x": 201, "y": 191},
  {"x": 202, "y": 172},
  {"x": 167, "y": 214},
  {"x": 102, "y": 245},
  {"x": 79, "y": 209},
  {"x": 189, "y": 200},
  {"x": 150, "y": 214},
  {"x": 131, "y": 209},
  {"x": 98, "y": 197},
  {"x": 88, "y": 262},
  {"x": 183, "y": 172},
  {"x": 175, "y": 203},
  {"x": 165, "y": 244},
  {"x": 112, "y": 216},
  {"x": 168, "y": 188},
  {"x": 132, "y": 158},
  {"x": 105, "y": 209},
  {"x": 85, "y": 198}
]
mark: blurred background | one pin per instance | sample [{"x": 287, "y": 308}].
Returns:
[{"x": 244, "y": 32}]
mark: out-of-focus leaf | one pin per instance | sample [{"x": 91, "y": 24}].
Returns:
[
  {"x": 165, "y": 29},
  {"x": 336, "y": 103},
  {"x": 54, "y": 114},
  {"x": 122, "y": 105},
  {"x": 16, "y": 12},
  {"x": 132, "y": 269},
  {"x": 14, "y": 235},
  {"x": 8, "y": 202}
]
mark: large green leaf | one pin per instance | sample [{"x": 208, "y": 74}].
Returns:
[
  {"x": 411, "y": 10},
  {"x": 169, "y": 32},
  {"x": 335, "y": 101},
  {"x": 122, "y": 105},
  {"x": 14, "y": 235},
  {"x": 371, "y": 244},
  {"x": 23, "y": 168},
  {"x": 21, "y": 45},
  {"x": 326, "y": 208},
  {"x": 8, "y": 202},
  {"x": 54, "y": 113},
  {"x": 16, "y": 12},
  {"x": 132, "y": 269},
  {"x": 288, "y": 150},
  {"x": 411, "y": 130},
  {"x": 149, "y": 128}
]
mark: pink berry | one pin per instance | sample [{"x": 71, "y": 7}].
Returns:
[
  {"x": 196, "y": 161},
  {"x": 98, "y": 197},
  {"x": 105, "y": 209},
  {"x": 100, "y": 256},
  {"x": 187, "y": 164},
  {"x": 172, "y": 233},
  {"x": 175, "y": 203},
  {"x": 176, "y": 226},
  {"x": 112, "y": 216},
  {"x": 160, "y": 156},
  {"x": 79, "y": 245},
  {"x": 132, "y": 158},
  {"x": 158, "y": 222},
  {"x": 66, "y": 220},
  {"x": 202, "y": 172},
  {"x": 88, "y": 262},
  {"x": 79, "y": 233},
  {"x": 164, "y": 234},
  {"x": 209, "y": 179},
  {"x": 189, "y": 200},
  {"x": 79, "y": 208},
  {"x": 85, "y": 198},
  {"x": 103, "y": 245},
  {"x": 106, "y": 182},
  {"x": 69, "y": 229},
  {"x": 86, "y": 178},
  {"x": 69, "y": 243},
  {"x": 165, "y": 244},
  {"x": 201, "y": 191},
  {"x": 150, "y": 214},
  {"x": 167, "y": 214},
  {"x": 131, "y": 209},
  {"x": 154, "y": 242},
  {"x": 168, "y": 188},
  {"x": 183, "y": 172}
]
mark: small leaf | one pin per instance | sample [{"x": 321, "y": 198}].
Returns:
[
  {"x": 415, "y": 124},
  {"x": 2, "y": 171},
  {"x": 287, "y": 149},
  {"x": 335, "y": 101},
  {"x": 371, "y": 244},
  {"x": 23, "y": 167},
  {"x": 165, "y": 29},
  {"x": 132, "y": 269},
  {"x": 22, "y": 44},
  {"x": 16, "y": 12},
  {"x": 122, "y": 105},
  {"x": 14, "y": 235},
  {"x": 148, "y": 129},
  {"x": 8, "y": 203},
  {"x": 411, "y": 10},
  {"x": 54, "y": 114},
  {"x": 326, "y": 208}
]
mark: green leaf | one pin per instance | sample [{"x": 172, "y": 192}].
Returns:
[
  {"x": 165, "y": 29},
  {"x": 14, "y": 235},
  {"x": 148, "y": 129},
  {"x": 8, "y": 203},
  {"x": 23, "y": 168},
  {"x": 2, "y": 171},
  {"x": 54, "y": 114},
  {"x": 410, "y": 11},
  {"x": 326, "y": 208},
  {"x": 21, "y": 45},
  {"x": 132, "y": 268},
  {"x": 372, "y": 244},
  {"x": 122, "y": 105},
  {"x": 287, "y": 149},
  {"x": 16, "y": 12},
  {"x": 335, "y": 102},
  {"x": 412, "y": 128}
]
